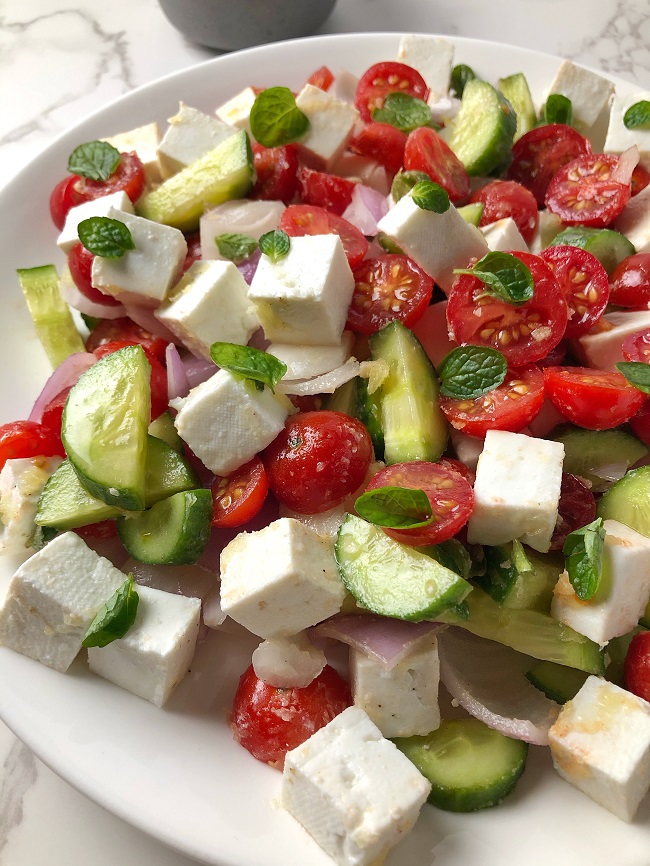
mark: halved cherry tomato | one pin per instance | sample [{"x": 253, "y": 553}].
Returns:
[
  {"x": 507, "y": 198},
  {"x": 584, "y": 282},
  {"x": 237, "y": 498},
  {"x": 269, "y": 722},
  {"x": 460, "y": 467},
  {"x": 640, "y": 423},
  {"x": 128, "y": 177},
  {"x": 636, "y": 669},
  {"x": 630, "y": 282},
  {"x": 584, "y": 191},
  {"x": 103, "y": 529},
  {"x": 388, "y": 288},
  {"x": 636, "y": 347},
  {"x": 62, "y": 199},
  {"x": 383, "y": 78},
  {"x": 28, "y": 439},
  {"x": 321, "y": 78},
  {"x": 511, "y": 406},
  {"x": 541, "y": 153},
  {"x": 307, "y": 219},
  {"x": 426, "y": 151},
  {"x": 640, "y": 179},
  {"x": 555, "y": 356},
  {"x": 524, "y": 333},
  {"x": 594, "y": 399},
  {"x": 194, "y": 252},
  {"x": 317, "y": 460},
  {"x": 381, "y": 142},
  {"x": 80, "y": 262},
  {"x": 576, "y": 508},
  {"x": 125, "y": 329},
  {"x": 158, "y": 380},
  {"x": 450, "y": 495},
  {"x": 53, "y": 412},
  {"x": 276, "y": 169},
  {"x": 324, "y": 190}
]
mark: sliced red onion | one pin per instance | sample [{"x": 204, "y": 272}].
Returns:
[
  {"x": 325, "y": 384},
  {"x": 248, "y": 267},
  {"x": 366, "y": 209},
  {"x": 611, "y": 471},
  {"x": 144, "y": 316},
  {"x": 198, "y": 370},
  {"x": 488, "y": 680},
  {"x": 72, "y": 296},
  {"x": 192, "y": 581},
  {"x": 627, "y": 162},
  {"x": 177, "y": 382},
  {"x": 65, "y": 375}
]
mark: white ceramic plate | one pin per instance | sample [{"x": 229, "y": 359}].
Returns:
[{"x": 176, "y": 773}]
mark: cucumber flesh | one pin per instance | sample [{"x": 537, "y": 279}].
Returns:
[
  {"x": 483, "y": 132},
  {"x": 558, "y": 682},
  {"x": 163, "y": 428},
  {"x": 343, "y": 399},
  {"x": 470, "y": 766},
  {"x": 518, "y": 578},
  {"x": 368, "y": 411},
  {"x": 516, "y": 90},
  {"x": 589, "y": 450},
  {"x": 628, "y": 501},
  {"x": 472, "y": 212},
  {"x": 610, "y": 247}
]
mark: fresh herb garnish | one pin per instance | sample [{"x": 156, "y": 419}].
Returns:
[
  {"x": 637, "y": 373},
  {"x": 275, "y": 244},
  {"x": 430, "y": 196},
  {"x": 558, "y": 109},
  {"x": 468, "y": 372},
  {"x": 453, "y": 555},
  {"x": 96, "y": 160},
  {"x": 235, "y": 247},
  {"x": 504, "y": 276},
  {"x": 404, "y": 181},
  {"x": 403, "y": 111},
  {"x": 275, "y": 118},
  {"x": 115, "y": 618},
  {"x": 460, "y": 75},
  {"x": 395, "y": 507},
  {"x": 638, "y": 115},
  {"x": 260, "y": 367},
  {"x": 583, "y": 550},
  {"x": 105, "y": 237}
]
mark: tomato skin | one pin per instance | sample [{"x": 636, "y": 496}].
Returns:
[
  {"x": 276, "y": 169},
  {"x": 125, "y": 329},
  {"x": 324, "y": 190},
  {"x": 507, "y": 198},
  {"x": 158, "y": 379},
  {"x": 62, "y": 199},
  {"x": 128, "y": 177},
  {"x": 383, "y": 78},
  {"x": 269, "y": 722},
  {"x": 640, "y": 423},
  {"x": 576, "y": 508},
  {"x": 381, "y": 142},
  {"x": 80, "y": 262},
  {"x": 318, "y": 460},
  {"x": 636, "y": 347},
  {"x": 583, "y": 191},
  {"x": 630, "y": 282},
  {"x": 636, "y": 668},
  {"x": 53, "y": 412},
  {"x": 307, "y": 219},
  {"x": 459, "y": 467},
  {"x": 593, "y": 399},
  {"x": 387, "y": 288},
  {"x": 426, "y": 151},
  {"x": 237, "y": 498},
  {"x": 322, "y": 78},
  {"x": 28, "y": 439},
  {"x": 194, "y": 252},
  {"x": 585, "y": 285},
  {"x": 640, "y": 180},
  {"x": 103, "y": 529}
]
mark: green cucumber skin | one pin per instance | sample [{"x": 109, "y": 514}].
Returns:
[
  {"x": 368, "y": 411},
  {"x": 586, "y": 449},
  {"x": 557, "y": 682},
  {"x": 628, "y": 501},
  {"x": 484, "y": 130},
  {"x": 610, "y": 247}
]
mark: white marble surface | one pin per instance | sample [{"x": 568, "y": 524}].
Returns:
[{"x": 61, "y": 60}]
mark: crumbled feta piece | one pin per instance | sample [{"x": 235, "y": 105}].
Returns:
[
  {"x": 634, "y": 221},
  {"x": 504, "y": 235},
  {"x": 432, "y": 57},
  {"x": 98, "y": 207},
  {"x": 604, "y": 349},
  {"x": 589, "y": 93},
  {"x": 240, "y": 216},
  {"x": 331, "y": 123},
  {"x": 144, "y": 140},
  {"x": 305, "y": 362},
  {"x": 237, "y": 111},
  {"x": 191, "y": 134},
  {"x": 21, "y": 484},
  {"x": 288, "y": 662},
  {"x": 619, "y": 137}
]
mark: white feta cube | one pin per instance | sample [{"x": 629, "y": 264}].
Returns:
[
  {"x": 53, "y": 598},
  {"x": 589, "y": 92},
  {"x": 226, "y": 421},
  {"x": 619, "y": 137},
  {"x": 600, "y": 744},
  {"x": 517, "y": 490},
  {"x": 548, "y": 226},
  {"x": 437, "y": 242},
  {"x": 280, "y": 580},
  {"x": 604, "y": 349},
  {"x": 240, "y": 216},
  {"x": 468, "y": 448},
  {"x": 237, "y": 111},
  {"x": 304, "y": 297},
  {"x": 331, "y": 123},
  {"x": 288, "y": 662},
  {"x": 209, "y": 304},
  {"x": 353, "y": 790},
  {"x": 144, "y": 140},
  {"x": 305, "y": 362},
  {"x": 623, "y": 591},
  {"x": 634, "y": 221},
  {"x": 190, "y": 135},
  {"x": 21, "y": 484},
  {"x": 98, "y": 207},
  {"x": 432, "y": 57},
  {"x": 504, "y": 235},
  {"x": 143, "y": 275}
]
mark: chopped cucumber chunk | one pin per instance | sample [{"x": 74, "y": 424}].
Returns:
[
  {"x": 516, "y": 90},
  {"x": 516, "y": 577},
  {"x": 472, "y": 212},
  {"x": 609, "y": 247},
  {"x": 628, "y": 501},
  {"x": 558, "y": 682},
  {"x": 368, "y": 411},
  {"x": 484, "y": 130},
  {"x": 163, "y": 428},
  {"x": 588, "y": 452}
]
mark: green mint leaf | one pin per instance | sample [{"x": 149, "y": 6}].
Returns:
[
  {"x": 638, "y": 115},
  {"x": 395, "y": 507},
  {"x": 504, "y": 565},
  {"x": 235, "y": 247},
  {"x": 460, "y": 75},
  {"x": 96, "y": 160},
  {"x": 275, "y": 118},
  {"x": 468, "y": 372},
  {"x": 105, "y": 237},
  {"x": 637, "y": 373},
  {"x": 558, "y": 109},
  {"x": 453, "y": 555},
  {"x": 262, "y": 368},
  {"x": 275, "y": 244},
  {"x": 430, "y": 196},
  {"x": 583, "y": 551},
  {"x": 403, "y": 111},
  {"x": 116, "y": 617},
  {"x": 504, "y": 276},
  {"x": 404, "y": 181}
]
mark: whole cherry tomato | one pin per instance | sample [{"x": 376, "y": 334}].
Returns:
[
  {"x": 383, "y": 78},
  {"x": 636, "y": 670},
  {"x": 593, "y": 399},
  {"x": 28, "y": 439},
  {"x": 507, "y": 198}
]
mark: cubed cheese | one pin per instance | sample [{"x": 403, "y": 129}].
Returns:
[
  {"x": 548, "y": 226},
  {"x": 634, "y": 221},
  {"x": 143, "y": 275},
  {"x": 353, "y": 790},
  {"x": 288, "y": 662},
  {"x": 304, "y": 297},
  {"x": 437, "y": 242},
  {"x": 589, "y": 93},
  {"x": 600, "y": 743},
  {"x": 21, "y": 484},
  {"x": 98, "y": 207},
  {"x": 331, "y": 123},
  {"x": 619, "y": 137},
  {"x": 517, "y": 490},
  {"x": 280, "y": 580},
  {"x": 156, "y": 652},
  {"x": 468, "y": 449},
  {"x": 237, "y": 111},
  {"x": 226, "y": 421},
  {"x": 53, "y": 598},
  {"x": 432, "y": 57},
  {"x": 191, "y": 134},
  {"x": 604, "y": 349},
  {"x": 504, "y": 235},
  {"x": 305, "y": 362},
  {"x": 240, "y": 216},
  {"x": 144, "y": 140},
  {"x": 209, "y": 304},
  {"x": 623, "y": 592}
]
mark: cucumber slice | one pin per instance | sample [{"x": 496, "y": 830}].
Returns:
[
  {"x": 368, "y": 411},
  {"x": 51, "y": 315},
  {"x": 628, "y": 501},
  {"x": 392, "y": 579},
  {"x": 413, "y": 424},
  {"x": 343, "y": 399},
  {"x": 389, "y": 244},
  {"x": 484, "y": 129},
  {"x": 224, "y": 173},
  {"x": 589, "y": 450},
  {"x": 472, "y": 213},
  {"x": 175, "y": 531},
  {"x": 516, "y": 90},
  {"x": 469, "y": 765},
  {"x": 559, "y": 683},
  {"x": 609, "y": 247},
  {"x": 163, "y": 428},
  {"x": 104, "y": 428},
  {"x": 518, "y": 578}
]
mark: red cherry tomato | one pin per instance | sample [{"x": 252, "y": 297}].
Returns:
[
  {"x": 426, "y": 151},
  {"x": 594, "y": 399},
  {"x": 458, "y": 466},
  {"x": 511, "y": 406},
  {"x": 541, "y": 153},
  {"x": 576, "y": 508},
  {"x": 125, "y": 329},
  {"x": 630, "y": 282},
  {"x": 636, "y": 669},
  {"x": 307, "y": 219},
  {"x": 62, "y": 199},
  {"x": 450, "y": 495},
  {"x": 158, "y": 380},
  {"x": 53, "y": 412},
  {"x": 381, "y": 142},
  {"x": 321, "y": 78},
  {"x": 524, "y": 333},
  {"x": 324, "y": 190},
  {"x": 128, "y": 177},
  {"x": 388, "y": 288},
  {"x": 636, "y": 347},
  {"x": 640, "y": 179},
  {"x": 640, "y": 423},
  {"x": 237, "y": 498},
  {"x": 94, "y": 531},
  {"x": 194, "y": 252},
  {"x": 583, "y": 280},
  {"x": 80, "y": 262},
  {"x": 318, "y": 460},
  {"x": 28, "y": 439},
  {"x": 507, "y": 198},
  {"x": 269, "y": 722},
  {"x": 276, "y": 169},
  {"x": 555, "y": 356},
  {"x": 584, "y": 191},
  {"x": 384, "y": 78}
]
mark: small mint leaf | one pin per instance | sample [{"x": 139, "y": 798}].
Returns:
[
  {"x": 583, "y": 550},
  {"x": 96, "y": 160},
  {"x": 460, "y": 75},
  {"x": 637, "y": 116},
  {"x": 558, "y": 109},
  {"x": 235, "y": 247},
  {"x": 404, "y": 181},
  {"x": 275, "y": 244},
  {"x": 105, "y": 237},
  {"x": 115, "y": 618},
  {"x": 637, "y": 373},
  {"x": 403, "y": 111},
  {"x": 469, "y": 372},
  {"x": 275, "y": 119},
  {"x": 504, "y": 276},
  {"x": 395, "y": 507},
  {"x": 430, "y": 196},
  {"x": 262, "y": 368}
]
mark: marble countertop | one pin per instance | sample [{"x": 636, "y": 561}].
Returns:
[{"x": 61, "y": 61}]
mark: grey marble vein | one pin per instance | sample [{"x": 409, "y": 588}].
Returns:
[{"x": 19, "y": 773}]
